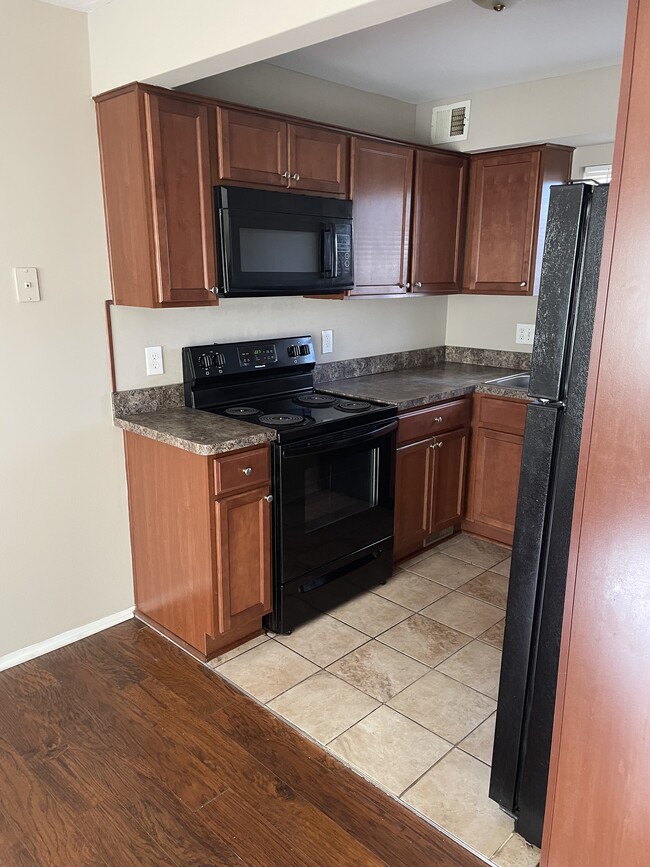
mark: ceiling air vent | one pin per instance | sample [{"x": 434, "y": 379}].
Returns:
[{"x": 450, "y": 123}]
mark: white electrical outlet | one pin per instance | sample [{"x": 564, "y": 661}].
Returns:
[
  {"x": 327, "y": 342},
  {"x": 525, "y": 334},
  {"x": 154, "y": 358}
]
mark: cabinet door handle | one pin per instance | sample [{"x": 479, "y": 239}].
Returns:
[
  {"x": 269, "y": 498},
  {"x": 418, "y": 285},
  {"x": 247, "y": 471},
  {"x": 295, "y": 177},
  {"x": 523, "y": 284},
  {"x": 435, "y": 446},
  {"x": 285, "y": 175},
  {"x": 438, "y": 419},
  {"x": 407, "y": 285}
]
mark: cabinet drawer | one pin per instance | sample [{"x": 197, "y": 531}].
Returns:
[
  {"x": 501, "y": 414},
  {"x": 433, "y": 420},
  {"x": 241, "y": 470}
]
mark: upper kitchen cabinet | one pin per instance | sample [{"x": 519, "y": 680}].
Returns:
[
  {"x": 438, "y": 222},
  {"x": 508, "y": 203},
  {"x": 382, "y": 178},
  {"x": 255, "y": 148},
  {"x": 155, "y": 160}
]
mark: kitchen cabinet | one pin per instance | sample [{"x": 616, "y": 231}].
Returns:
[
  {"x": 507, "y": 210},
  {"x": 497, "y": 444},
  {"x": 430, "y": 473},
  {"x": 258, "y": 149},
  {"x": 200, "y": 541},
  {"x": 155, "y": 161},
  {"x": 438, "y": 223},
  {"x": 381, "y": 182}
]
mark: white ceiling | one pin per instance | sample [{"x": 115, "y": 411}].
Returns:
[
  {"x": 459, "y": 48},
  {"x": 79, "y": 5}
]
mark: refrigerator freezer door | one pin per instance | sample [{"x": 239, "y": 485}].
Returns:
[
  {"x": 560, "y": 272},
  {"x": 527, "y": 564}
]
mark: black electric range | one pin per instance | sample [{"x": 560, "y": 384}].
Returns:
[{"x": 333, "y": 468}]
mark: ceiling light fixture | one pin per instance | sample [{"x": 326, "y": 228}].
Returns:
[{"x": 496, "y": 5}]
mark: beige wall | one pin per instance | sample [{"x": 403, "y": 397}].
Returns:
[
  {"x": 64, "y": 550},
  {"x": 361, "y": 327},
  {"x": 170, "y": 43},
  {"x": 277, "y": 89}
]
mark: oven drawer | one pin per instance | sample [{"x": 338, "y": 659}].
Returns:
[
  {"x": 241, "y": 470},
  {"x": 434, "y": 420}
]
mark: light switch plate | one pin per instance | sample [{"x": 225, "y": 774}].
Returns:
[
  {"x": 27, "y": 288},
  {"x": 154, "y": 358},
  {"x": 525, "y": 334}
]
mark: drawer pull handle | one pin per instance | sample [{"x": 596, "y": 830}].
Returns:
[
  {"x": 269, "y": 498},
  {"x": 438, "y": 419},
  {"x": 247, "y": 471}
]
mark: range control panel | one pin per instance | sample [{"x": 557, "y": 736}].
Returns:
[{"x": 219, "y": 359}]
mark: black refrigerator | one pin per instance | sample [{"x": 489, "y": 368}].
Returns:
[{"x": 540, "y": 553}]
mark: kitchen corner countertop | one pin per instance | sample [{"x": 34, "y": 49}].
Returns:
[
  {"x": 419, "y": 386},
  {"x": 202, "y": 433}
]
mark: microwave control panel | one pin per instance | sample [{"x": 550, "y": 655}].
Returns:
[{"x": 343, "y": 250}]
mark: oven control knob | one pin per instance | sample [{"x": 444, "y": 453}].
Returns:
[
  {"x": 294, "y": 351},
  {"x": 304, "y": 349},
  {"x": 206, "y": 360}
]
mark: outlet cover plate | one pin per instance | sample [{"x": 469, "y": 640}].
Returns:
[
  {"x": 154, "y": 359},
  {"x": 525, "y": 334},
  {"x": 327, "y": 342}
]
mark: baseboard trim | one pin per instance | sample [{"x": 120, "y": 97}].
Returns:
[{"x": 35, "y": 650}]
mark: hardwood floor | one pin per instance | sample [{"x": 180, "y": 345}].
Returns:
[{"x": 121, "y": 750}]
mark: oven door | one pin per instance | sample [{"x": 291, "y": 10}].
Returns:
[
  {"x": 269, "y": 253},
  {"x": 336, "y": 496}
]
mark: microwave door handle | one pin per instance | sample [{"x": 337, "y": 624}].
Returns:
[
  {"x": 335, "y": 252},
  {"x": 326, "y": 250}
]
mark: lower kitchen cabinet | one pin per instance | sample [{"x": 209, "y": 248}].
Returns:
[
  {"x": 497, "y": 444},
  {"x": 430, "y": 473},
  {"x": 201, "y": 542}
]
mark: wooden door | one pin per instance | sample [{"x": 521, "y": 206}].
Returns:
[
  {"x": 381, "y": 181},
  {"x": 183, "y": 222},
  {"x": 448, "y": 479},
  {"x": 318, "y": 159},
  {"x": 413, "y": 476},
  {"x": 243, "y": 587},
  {"x": 503, "y": 205},
  {"x": 494, "y": 484},
  {"x": 438, "y": 223},
  {"x": 252, "y": 148}
]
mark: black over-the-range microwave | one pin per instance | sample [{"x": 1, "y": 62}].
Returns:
[{"x": 281, "y": 243}]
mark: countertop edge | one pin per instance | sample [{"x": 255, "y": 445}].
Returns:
[{"x": 204, "y": 449}]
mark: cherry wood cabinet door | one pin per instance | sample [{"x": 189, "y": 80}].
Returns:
[
  {"x": 381, "y": 181},
  {"x": 318, "y": 159},
  {"x": 413, "y": 476},
  {"x": 503, "y": 205},
  {"x": 243, "y": 586},
  {"x": 183, "y": 222},
  {"x": 494, "y": 485},
  {"x": 252, "y": 148},
  {"x": 448, "y": 479},
  {"x": 438, "y": 222}
]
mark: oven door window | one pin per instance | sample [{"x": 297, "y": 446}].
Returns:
[{"x": 334, "y": 502}]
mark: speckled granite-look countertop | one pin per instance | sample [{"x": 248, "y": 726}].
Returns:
[
  {"x": 202, "y": 433},
  {"x": 420, "y": 386}
]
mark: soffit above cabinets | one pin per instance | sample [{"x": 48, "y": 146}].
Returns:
[
  {"x": 457, "y": 48},
  {"x": 79, "y": 5}
]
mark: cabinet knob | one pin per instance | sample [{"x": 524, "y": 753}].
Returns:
[
  {"x": 407, "y": 286},
  {"x": 295, "y": 177},
  {"x": 438, "y": 419},
  {"x": 435, "y": 446},
  {"x": 523, "y": 284},
  {"x": 285, "y": 175},
  {"x": 247, "y": 471},
  {"x": 418, "y": 285},
  {"x": 214, "y": 290},
  {"x": 269, "y": 498}
]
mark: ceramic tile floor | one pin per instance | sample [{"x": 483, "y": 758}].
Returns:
[{"x": 401, "y": 684}]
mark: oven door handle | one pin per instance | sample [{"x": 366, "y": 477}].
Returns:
[{"x": 335, "y": 444}]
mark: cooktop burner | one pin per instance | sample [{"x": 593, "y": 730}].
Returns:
[
  {"x": 315, "y": 400},
  {"x": 280, "y": 419},
  {"x": 242, "y": 411},
  {"x": 353, "y": 405}
]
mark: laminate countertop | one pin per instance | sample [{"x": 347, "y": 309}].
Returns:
[
  {"x": 419, "y": 386},
  {"x": 193, "y": 430}
]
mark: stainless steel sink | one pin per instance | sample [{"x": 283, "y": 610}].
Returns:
[{"x": 516, "y": 380}]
